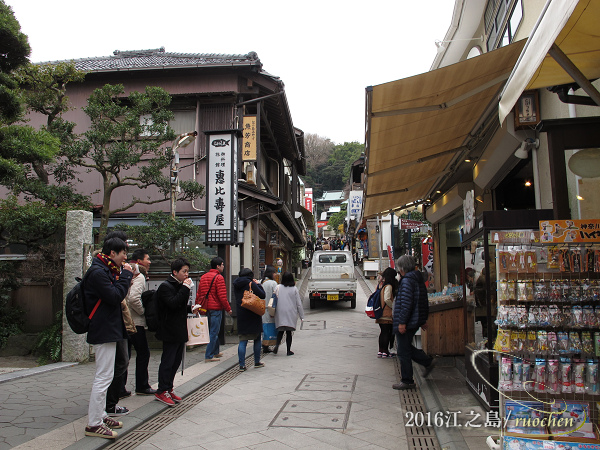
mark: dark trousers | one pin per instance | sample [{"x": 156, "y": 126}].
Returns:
[
  {"x": 121, "y": 363},
  {"x": 407, "y": 353},
  {"x": 169, "y": 363},
  {"x": 142, "y": 358},
  {"x": 386, "y": 337}
]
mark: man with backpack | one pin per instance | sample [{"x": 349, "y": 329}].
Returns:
[
  {"x": 138, "y": 340},
  {"x": 212, "y": 296},
  {"x": 105, "y": 287}
]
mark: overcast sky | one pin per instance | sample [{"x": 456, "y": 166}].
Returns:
[{"x": 326, "y": 51}]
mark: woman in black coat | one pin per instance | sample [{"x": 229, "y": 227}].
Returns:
[{"x": 249, "y": 324}]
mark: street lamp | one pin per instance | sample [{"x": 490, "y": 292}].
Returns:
[{"x": 182, "y": 141}]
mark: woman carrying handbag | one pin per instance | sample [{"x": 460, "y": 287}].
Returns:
[
  {"x": 249, "y": 324},
  {"x": 388, "y": 294}
]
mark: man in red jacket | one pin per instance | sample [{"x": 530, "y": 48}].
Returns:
[{"x": 212, "y": 295}]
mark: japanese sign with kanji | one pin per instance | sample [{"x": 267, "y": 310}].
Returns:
[
  {"x": 221, "y": 188},
  {"x": 249, "y": 138},
  {"x": 355, "y": 203},
  {"x": 570, "y": 230}
]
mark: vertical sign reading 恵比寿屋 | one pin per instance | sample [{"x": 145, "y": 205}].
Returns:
[
  {"x": 249, "y": 138},
  {"x": 221, "y": 188}
]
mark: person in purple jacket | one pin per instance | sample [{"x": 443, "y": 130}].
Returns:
[
  {"x": 105, "y": 287},
  {"x": 411, "y": 309}
]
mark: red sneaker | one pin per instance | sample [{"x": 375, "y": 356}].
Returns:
[
  {"x": 164, "y": 398},
  {"x": 176, "y": 398}
]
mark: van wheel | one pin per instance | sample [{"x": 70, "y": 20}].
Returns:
[
  {"x": 313, "y": 303},
  {"x": 353, "y": 303}
]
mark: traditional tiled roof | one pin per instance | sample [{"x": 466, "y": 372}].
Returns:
[
  {"x": 159, "y": 59},
  {"x": 331, "y": 196}
]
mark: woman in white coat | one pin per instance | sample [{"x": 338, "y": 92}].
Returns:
[{"x": 289, "y": 307}]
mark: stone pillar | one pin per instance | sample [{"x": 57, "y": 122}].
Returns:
[{"x": 78, "y": 240}]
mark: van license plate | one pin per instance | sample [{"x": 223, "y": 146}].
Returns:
[{"x": 332, "y": 297}]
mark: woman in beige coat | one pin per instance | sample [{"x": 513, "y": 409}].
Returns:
[{"x": 388, "y": 294}]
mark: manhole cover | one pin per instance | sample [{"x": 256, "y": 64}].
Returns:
[
  {"x": 313, "y": 325},
  {"x": 312, "y": 414},
  {"x": 328, "y": 383}
]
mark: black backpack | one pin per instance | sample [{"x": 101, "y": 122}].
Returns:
[
  {"x": 79, "y": 320},
  {"x": 150, "y": 309}
]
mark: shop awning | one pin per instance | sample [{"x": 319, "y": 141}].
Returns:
[
  {"x": 570, "y": 25},
  {"x": 417, "y": 125}
]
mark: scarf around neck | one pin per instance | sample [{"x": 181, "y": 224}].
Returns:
[{"x": 109, "y": 263}]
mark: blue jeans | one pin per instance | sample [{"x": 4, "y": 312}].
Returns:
[
  {"x": 407, "y": 353},
  {"x": 242, "y": 351},
  {"x": 214, "y": 325}
]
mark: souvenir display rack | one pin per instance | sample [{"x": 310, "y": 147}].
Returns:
[{"x": 548, "y": 323}]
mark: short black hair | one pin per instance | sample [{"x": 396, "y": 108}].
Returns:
[
  {"x": 116, "y": 234},
  {"x": 270, "y": 272},
  {"x": 139, "y": 253},
  {"x": 246, "y": 272},
  {"x": 216, "y": 262},
  {"x": 114, "y": 244},
  {"x": 288, "y": 279},
  {"x": 178, "y": 264}
]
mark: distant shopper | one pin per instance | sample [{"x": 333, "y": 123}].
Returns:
[
  {"x": 411, "y": 310},
  {"x": 389, "y": 285},
  {"x": 139, "y": 341},
  {"x": 289, "y": 307},
  {"x": 172, "y": 307},
  {"x": 249, "y": 324},
  {"x": 213, "y": 284},
  {"x": 107, "y": 284},
  {"x": 269, "y": 285}
]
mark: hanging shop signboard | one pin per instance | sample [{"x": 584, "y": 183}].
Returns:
[
  {"x": 221, "y": 188},
  {"x": 355, "y": 203},
  {"x": 249, "y": 138},
  {"x": 406, "y": 224},
  {"x": 558, "y": 231}
]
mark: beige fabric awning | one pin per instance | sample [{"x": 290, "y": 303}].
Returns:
[
  {"x": 572, "y": 25},
  {"x": 417, "y": 125}
]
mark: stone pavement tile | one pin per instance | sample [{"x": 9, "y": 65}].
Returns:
[
  {"x": 383, "y": 440},
  {"x": 274, "y": 445},
  {"x": 337, "y": 439},
  {"x": 292, "y": 437}
]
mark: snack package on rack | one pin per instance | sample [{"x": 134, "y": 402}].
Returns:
[
  {"x": 565, "y": 291},
  {"x": 576, "y": 261},
  {"x": 576, "y": 316},
  {"x": 552, "y": 343},
  {"x": 553, "y": 258},
  {"x": 531, "y": 261},
  {"x": 553, "y": 384},
  {"x": 574, "y": 342},
  {"x": 542, "y": 342},
  {"x": 567, "y": 316},
  {"x": 517, "y": 374},
  {"x": 579, "y": 376},
  {"x": 502, "y": 316},
  {"x": 540, "y": 291},
  {"x": 524, "y": 290},
  {"x": 505, "y": 383},
  {"x": 504, "y": 258},
  {"x": 591, "y": 377},
  {"x": 597, "y": 343},
  {"x": 566, "y": 384},
  {"x": 564, "y": 260},
  {"x": 531, "y": 344},
  {"x": 540, "y": 375},
  {"x": 563, "y": 342},
  {"x": 503, "y": 291},
  {"x": 555, "y": 317},
  {"x": 554, "y": 291},
  {"x": 502, "y": 343},
  {"x": 589, "y": 317},
  {"x": 587, "y": 343},
  {"x": 544, "y": 316},
  {"x": 589, "y": 260},
  {"x": 528, "y": 376},
  {"x": 520, "y": 259},
  {"x": 574, "y": 291},
  {"x": 522, "y": 316},
  {"x": 514, "y": 341},
  {"x": 533, "y": 316}
]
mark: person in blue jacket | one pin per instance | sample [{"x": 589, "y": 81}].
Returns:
[
  {"x": 105, "y": 288},
  {"x": 411, "y": 310}
]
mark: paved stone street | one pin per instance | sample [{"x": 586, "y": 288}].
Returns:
[{"x": 332, "y": 393}]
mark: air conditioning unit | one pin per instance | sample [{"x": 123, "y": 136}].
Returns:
[{"x": 250, "y": 171}]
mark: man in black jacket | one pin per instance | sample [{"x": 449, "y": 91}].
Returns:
[
  {"x": 105, "y": 287},
  {"x": 172, "y": 306}
]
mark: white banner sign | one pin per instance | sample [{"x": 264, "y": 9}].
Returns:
[{"x": 221, "y": 188}]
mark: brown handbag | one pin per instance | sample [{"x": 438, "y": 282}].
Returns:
[{"x": 251, "y": 302}]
